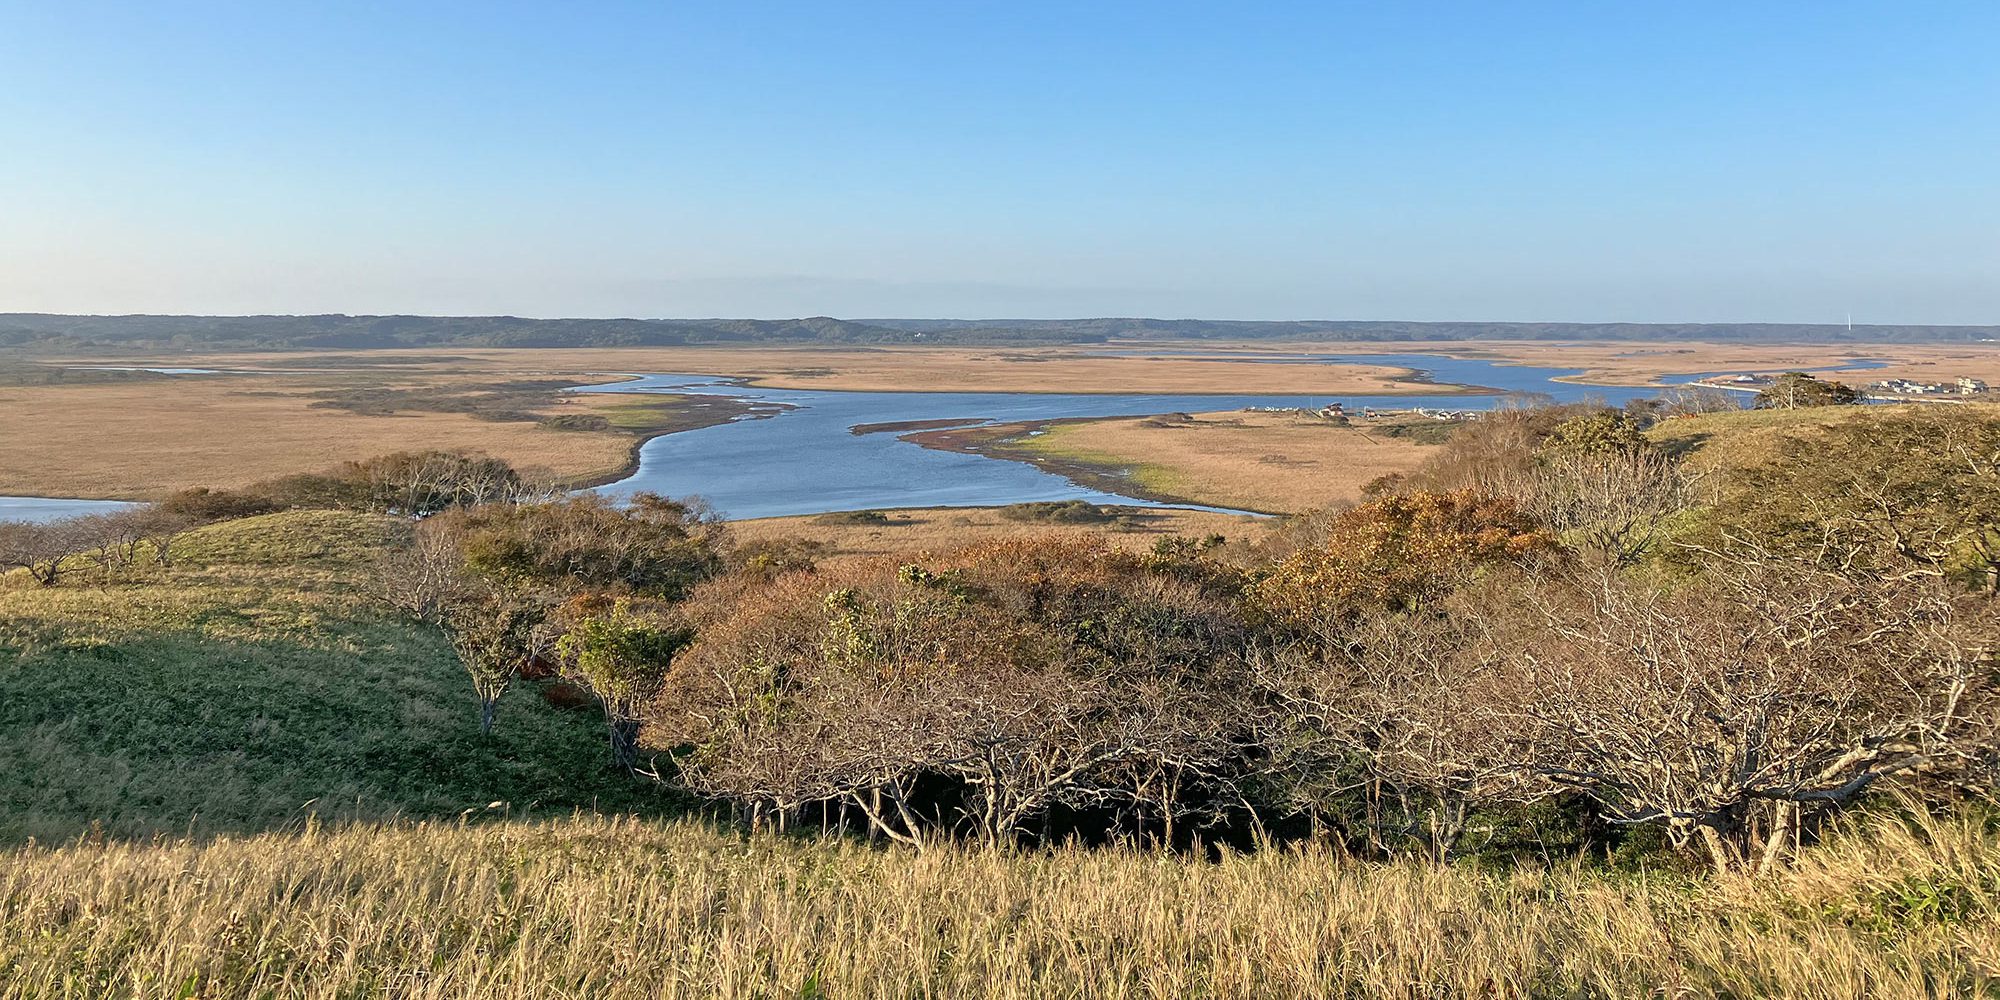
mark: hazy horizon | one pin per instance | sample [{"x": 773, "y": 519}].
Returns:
[
  {"x": 1455, "y": 162},
  {"x": 1004, "y": 320}
]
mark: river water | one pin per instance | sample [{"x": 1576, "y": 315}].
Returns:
[
  {"x": 53, "y": 508},
  {"x": 804, "y": 460}
]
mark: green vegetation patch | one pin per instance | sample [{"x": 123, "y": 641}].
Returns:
[
  {"x": 254, "y": 684},
  {"x": 1055, "y": 445},
  {"x": 667, "y": 413}
]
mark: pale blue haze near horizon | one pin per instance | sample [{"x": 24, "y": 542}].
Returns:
[{"x": 1781, "y": 161}]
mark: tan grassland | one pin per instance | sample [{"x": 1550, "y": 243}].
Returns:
[
  {"x": 1225, "y": 368},
  {"x": 933, "y": 369},
  {"x": 1245, "y": 460},
  {"x": 137, "y": 439},
  {"x": 936, "y": 529},
  {"x": 134, "y": 440},
  {"x": 1641, "y": 363},
  {"x": 610, "y": 908}
]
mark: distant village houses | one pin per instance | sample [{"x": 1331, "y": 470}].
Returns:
[{"x": 1963, "y": 386}]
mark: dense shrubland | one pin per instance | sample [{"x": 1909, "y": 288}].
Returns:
[
  {"x": 1577, "y": 653},
  {"x": 1558, "y": 636},
  {"x": 1556, "y": 633}
]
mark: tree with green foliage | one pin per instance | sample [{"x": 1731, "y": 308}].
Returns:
[
  {"x": 488, "y": 575},
  {"x": 653, "y": 547},
  {"x": 1796, "y": 390},
  {"x": 620, "y": 649},
  {"x": 1606, "y": 432},
  {"x": 492, "y": 627}
]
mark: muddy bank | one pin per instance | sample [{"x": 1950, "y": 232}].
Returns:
[{"x": 900, "y": 426}]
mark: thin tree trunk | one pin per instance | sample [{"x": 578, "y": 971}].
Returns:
[
  {"x": 624, "y": 741},
  {"x": 1783, "y": 835},
  {"x": 1724, "y": 855}
]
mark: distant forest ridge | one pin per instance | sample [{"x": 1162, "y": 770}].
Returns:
[{"x": 40, "y": 331}]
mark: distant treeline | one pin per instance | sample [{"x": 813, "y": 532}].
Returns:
[{"x": 340, "y": 332}]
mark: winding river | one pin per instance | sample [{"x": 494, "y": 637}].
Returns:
[{"x": 804, "y": 460}]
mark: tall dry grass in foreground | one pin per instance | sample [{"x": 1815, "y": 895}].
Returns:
[{"x": 594, "y": 907}]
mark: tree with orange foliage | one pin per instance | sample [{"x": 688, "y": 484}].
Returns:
[{"x": 1393, "y": 553}]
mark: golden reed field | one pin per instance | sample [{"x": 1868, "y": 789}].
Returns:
[
  {"x": 139, "y": 439},
  {"x": 610, "y": 908}
]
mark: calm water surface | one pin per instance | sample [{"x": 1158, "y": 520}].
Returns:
[
  {"x": 49, "y": 509},
  {"x": 805, "y": 461}
]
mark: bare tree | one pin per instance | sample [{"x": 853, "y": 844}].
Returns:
[
  {"x": 44, "y": 548},
  {"x": 1696, "y": 400},
  {"x": 977, "y": 694},
  {"x": 1734, "y": 712},
  {"x": 1412, "y": 707},
  {"x": 1612, "y": 506},
  {"x": 158, "y": 527},
  {"x": 118, "y": 540}
]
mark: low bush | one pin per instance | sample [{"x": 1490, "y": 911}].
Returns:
[
  {"x": 853, "y": 517},
  {"x": 1059, "y": 512},
  {"x": 576, "y": 422}
]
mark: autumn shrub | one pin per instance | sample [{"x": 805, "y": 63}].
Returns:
[
  {"x": 980, "y": 691},
  {"x": 1393, "y": 552},
  {"x": 1058, "y": 512},
  {"x": 200, "y": 503}
]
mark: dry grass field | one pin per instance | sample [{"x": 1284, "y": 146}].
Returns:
[
  {"x": 133, "y": 439},
  {"x": 926, "y": 369},
  {"x": 1641, "y": 363},
  {"x": 139, "y": 439},
  {"x": 941, "y": 528},
  {"x": 615, "y": 908},
  {"x": 1245, "y": 460}
]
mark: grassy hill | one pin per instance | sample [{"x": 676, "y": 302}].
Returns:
[
  {"x": 242, "y": 779},
  {"x": 1715, "y": 444},
  {"x": 252, "y": 685}
]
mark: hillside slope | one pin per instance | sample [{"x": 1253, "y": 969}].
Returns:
[{"x": 253, "y": 684}]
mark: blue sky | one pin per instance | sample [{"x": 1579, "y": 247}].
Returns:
[{"x": 1743, "y": 161}]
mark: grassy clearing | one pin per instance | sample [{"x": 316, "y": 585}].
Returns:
[
  {"x": 254, "y": 684},
  {"x": 598, "y": 907}
]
